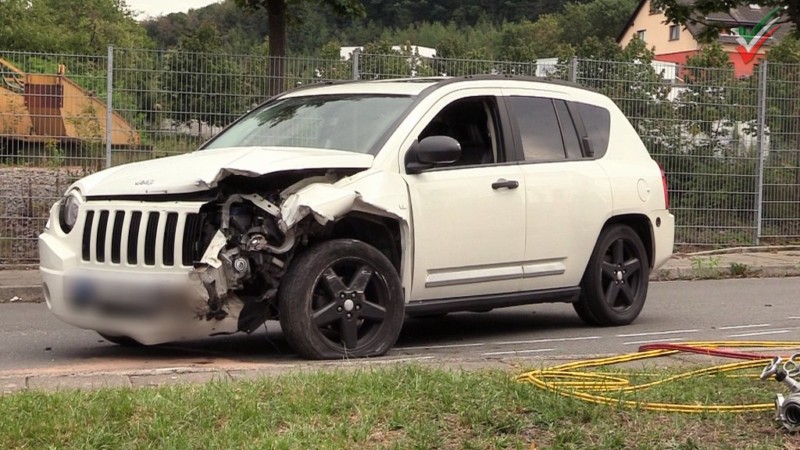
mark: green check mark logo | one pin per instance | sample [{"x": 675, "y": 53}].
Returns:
[{"x": 751, "y": 40}]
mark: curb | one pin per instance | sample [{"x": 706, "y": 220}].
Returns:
[{"x": 692, "y": 274}]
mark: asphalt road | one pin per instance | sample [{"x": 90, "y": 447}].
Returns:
[{"x": 34, "y": 341}]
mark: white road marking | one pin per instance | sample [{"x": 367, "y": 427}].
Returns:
[
  {"x": 388, "y": 361},
  {"x": 656, "y": 333},
  {"x": 652, "y": 341},
  {"x": 739, "y": 327},
  {"x": 431, "y": 347},
  {"x": 794, "y": 317},
  {"x": 518, "y": 352},
  {"x": 760, "y": 333},
  {"x": 539, "y": 341}
]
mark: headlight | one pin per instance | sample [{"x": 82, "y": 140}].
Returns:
[{"x": 68, "y": 213}]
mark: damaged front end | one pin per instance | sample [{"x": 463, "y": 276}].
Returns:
[{"x": 249, "y": 241}]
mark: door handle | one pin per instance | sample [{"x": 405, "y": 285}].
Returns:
[{"x": 503, "y": 183}]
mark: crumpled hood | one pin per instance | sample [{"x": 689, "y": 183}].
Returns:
[{"x": 202, "y": 170}]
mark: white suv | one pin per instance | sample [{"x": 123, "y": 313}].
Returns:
[{"x": 341, "y": 208}]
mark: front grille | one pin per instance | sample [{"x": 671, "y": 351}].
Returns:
[
  {"x": 141, "y": 237},
  {"x": 192, "y": 247}
]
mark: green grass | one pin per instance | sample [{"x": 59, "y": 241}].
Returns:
[{"x": 402, "y": 407}]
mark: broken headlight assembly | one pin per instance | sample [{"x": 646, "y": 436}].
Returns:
[{"x": 68, "y": 210}]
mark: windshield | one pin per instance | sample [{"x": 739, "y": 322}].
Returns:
[{"x": 352, "y": 123}]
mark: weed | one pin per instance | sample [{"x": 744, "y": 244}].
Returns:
[
  {"x": 739, "y": 269},
  {"x": 705, "y": 268}
]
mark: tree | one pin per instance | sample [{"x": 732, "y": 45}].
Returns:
[
  {"x": 68, "y": 26},
  {"x": 681, "y": 12},
  {"x": 203, "y": 83},
  {"x": 599, "y": 18},
  {"x": 279, "y": 14}
]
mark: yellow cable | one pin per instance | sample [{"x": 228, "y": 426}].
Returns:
[{"x": 565, "y": 380}]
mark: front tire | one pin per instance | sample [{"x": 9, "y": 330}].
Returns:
[
  {"x": 341, "y": 299},
  {"x": 614, "y": 286}
]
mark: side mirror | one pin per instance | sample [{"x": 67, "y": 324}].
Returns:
[{"x": 431, "y": 151}]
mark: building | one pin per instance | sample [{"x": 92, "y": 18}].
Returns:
[
  {"x": 426, "y": 52},
  {"x": 748, "y": 31}
]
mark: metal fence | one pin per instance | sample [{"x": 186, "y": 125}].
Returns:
[{"x": 730, "y": 146}]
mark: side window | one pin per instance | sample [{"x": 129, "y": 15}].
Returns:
[
  {"x": 538, "y": 128},
  {"x": 473, "y": 123},
  {"x": 597, "y": 122}
]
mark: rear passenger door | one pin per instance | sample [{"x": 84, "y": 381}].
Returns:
[{"x": 567, "y": 194}]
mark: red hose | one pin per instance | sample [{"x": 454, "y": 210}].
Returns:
[{"x": 704, "y": 351}]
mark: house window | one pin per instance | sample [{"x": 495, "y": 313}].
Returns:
[
  {"x": 653, "y": 9},
  {"x": 674, "y": 32},
  {"x": 640, "y": 35}
]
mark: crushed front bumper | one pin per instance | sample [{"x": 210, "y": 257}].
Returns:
[{"x": 124, "y": 270}]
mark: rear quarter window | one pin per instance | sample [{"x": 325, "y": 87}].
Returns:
[{"x": 597, "y": 122}]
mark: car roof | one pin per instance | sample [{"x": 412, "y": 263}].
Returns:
[{"x": 416, "y": 86}]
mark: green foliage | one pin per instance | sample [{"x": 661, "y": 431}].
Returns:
[
  {"x": 194, "y": 80},
  {"x": 739, "y": 269},
  {"x": 380, "y": 60},
  {"x": 68, "y": 26},
  {"x": 600, "y": 19},
  {"x": 518, "y": 42},
  {"x": 473, "y": 29},
  {"x": 783, "y": 121}
]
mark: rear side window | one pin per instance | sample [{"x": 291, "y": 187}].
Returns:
[
  {"x": 597, "y": 121},
  {"x": 538, "y": 128}
]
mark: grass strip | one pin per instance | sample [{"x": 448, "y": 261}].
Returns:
[{"x": 408, "y": 406}]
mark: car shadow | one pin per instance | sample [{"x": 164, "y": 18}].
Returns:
[
  {"x": 501, "y": 324},
  {"x": 268, "y": 344}
]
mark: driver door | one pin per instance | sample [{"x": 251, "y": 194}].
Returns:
[{"x": 468, "y": 216}]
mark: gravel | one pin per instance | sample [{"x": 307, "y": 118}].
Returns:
[{"x": 26, "y": 196}]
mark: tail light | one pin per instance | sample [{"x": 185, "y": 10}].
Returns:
[{"x": 664, "y": 182}]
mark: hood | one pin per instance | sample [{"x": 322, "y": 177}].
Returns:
[{"x": 202, "y": 170}]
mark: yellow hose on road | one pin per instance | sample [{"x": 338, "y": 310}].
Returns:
[{"x": 567, "y": 381}]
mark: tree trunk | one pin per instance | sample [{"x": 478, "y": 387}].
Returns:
[{"x": 276, "y": 9}]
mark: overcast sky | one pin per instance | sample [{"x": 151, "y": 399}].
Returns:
[{"x": 153, "y": 8}]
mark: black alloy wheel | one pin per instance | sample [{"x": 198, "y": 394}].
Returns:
[
  {"x": 341, "y": 298},
  {"x": 614, "y": 286}
]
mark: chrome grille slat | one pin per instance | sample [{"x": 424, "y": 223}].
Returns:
[
  {"x": 126, "y": 226},
  {"x": 135, "y": 235},
  {"x": 116, "y": 236},
  {"x": 133, "y": 238},
  {"x": 168, "y": 243},
  {"x": 86, "y": 243},
  {"x": 150, "y": 238}
]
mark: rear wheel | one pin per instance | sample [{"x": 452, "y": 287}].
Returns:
[
  {"x": 341, "y": 298},
  {"x": 614, "y": 286}
]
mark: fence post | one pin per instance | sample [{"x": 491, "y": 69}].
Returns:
[
  {"x": 355, "y": 58},
  {"x": 573, "y": 69},
  {"x": 760, "y": 146},
  {"x": 109, "y": 104}
]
